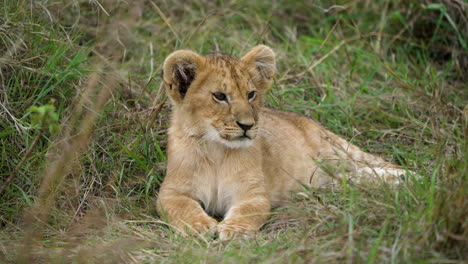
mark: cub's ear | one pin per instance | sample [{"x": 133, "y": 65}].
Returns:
[
  {"x": 261, "y": 63},
  {"x": 179, "y": 70}
]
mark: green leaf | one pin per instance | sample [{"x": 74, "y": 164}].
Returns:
[{"x": 44, "y": 117}]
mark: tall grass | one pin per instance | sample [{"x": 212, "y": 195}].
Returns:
[{"x": 390, "y": 76}]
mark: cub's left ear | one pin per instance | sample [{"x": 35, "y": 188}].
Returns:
[
  {"x": 261, "y": 63},
  {"x": 179, "y": 71}
]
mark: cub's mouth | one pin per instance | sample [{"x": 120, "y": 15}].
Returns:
[
  {"x": 235, "y": 140},
  {"x": 244, "y": 137}
]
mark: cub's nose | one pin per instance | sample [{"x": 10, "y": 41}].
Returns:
[{"x": 245, "y": 127}]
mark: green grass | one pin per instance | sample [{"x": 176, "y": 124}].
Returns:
[{"x": 390, "y": 76}]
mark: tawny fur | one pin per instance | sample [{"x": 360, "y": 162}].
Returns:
[{"x": 217, "y": 168}]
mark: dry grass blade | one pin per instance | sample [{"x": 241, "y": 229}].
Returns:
[
  {"x": 332, "y": 51},
  {"x": 67, "y": 152},
  {"x": 20, "y": 164},
  {"x": 381, "y": 25},
  {"x": 155, "y": 7}
]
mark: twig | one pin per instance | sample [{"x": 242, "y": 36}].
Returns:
[
  {"x": 101, "y": 7},
  {"x": 155, "y": 114},
  {"x": 337, "y": 47},
  {"x": 196, "y": 29}
]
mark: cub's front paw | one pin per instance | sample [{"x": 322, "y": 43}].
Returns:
[
  {"x": 230, "y": 229},
  {"x": 202, "y": 224}
]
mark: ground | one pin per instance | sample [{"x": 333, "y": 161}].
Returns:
[{"x": 83, "y": 122}]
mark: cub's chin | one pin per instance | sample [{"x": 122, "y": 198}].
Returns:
[{"x": 237, "y": 143}]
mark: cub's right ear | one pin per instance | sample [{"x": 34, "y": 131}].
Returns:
[{"x": 179, "y": 71}]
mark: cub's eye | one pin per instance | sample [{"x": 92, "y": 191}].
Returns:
[
  {"x": 220, "y": 96},
  {"x": 251, "y": 95}
]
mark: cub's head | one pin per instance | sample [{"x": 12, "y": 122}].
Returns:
[{"x": 217, "y": 97}]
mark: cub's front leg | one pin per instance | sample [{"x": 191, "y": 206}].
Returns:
[
  {"x": 244, "y": 218},
  {"x": 177, "y": 203},
  {"x": 183, "y": 212},
  {"x": 249, "y": 210}
]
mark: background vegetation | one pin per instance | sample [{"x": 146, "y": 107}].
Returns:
[{"x": 82, "y": 126}]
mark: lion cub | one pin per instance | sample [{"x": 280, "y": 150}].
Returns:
[{"x": 230, "y": 156}]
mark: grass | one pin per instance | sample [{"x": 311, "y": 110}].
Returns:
[{"x": 390, "y": 76}]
